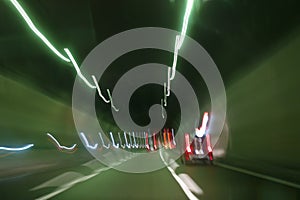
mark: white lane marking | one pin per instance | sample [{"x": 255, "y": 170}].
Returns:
[
  {"x": 183, "y": 186},
  {"x": 59, "y": 180},
  {"x": 93, "y": 164},
  {"x": 269, "y": 178},
  {"x": 71, "y": 184},
  {"x": 190, "y": 183},
  {"x": 173, "y": 164}
]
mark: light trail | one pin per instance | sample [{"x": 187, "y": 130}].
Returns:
[
  {"x": 174, "y": 142},
  {"x": 126, "y": 141},
  {"x": 17, "y": 149},
  {"x": 178, "y": 43},
  {"x": 78, "y": 69},
  {"x": 113, "y": 140},
  {"x": 121, "y": 143},
  {"x": 35, "y": 30},
  {"x": 130, "y": 140},
  {"x": 180, "y": 39},
  {"x": 105, "y": 146},
  {"x": 168, "y": 83},
  {"x": 99, "y": 90},
  {"x": 60, "y": 146},
  {"x": 87, "y": 142},
  {"x": 165, "y": 94},
  {"x": 134, "y": 141},
  {"x": 201, "y": 131},
  {"x": 52, "y": 48},
  {"x": 162, "y": 108},
  {"x": 111, "y": 101}
]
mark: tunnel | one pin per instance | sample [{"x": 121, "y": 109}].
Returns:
[{"x": 104, "y": 99}]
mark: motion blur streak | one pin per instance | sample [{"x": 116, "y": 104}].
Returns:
[
  {"x": 111, "y": 101},
  {"x": 201, "y": 131},
  {"x": 87, "y": 142},
  {"x": 178, "y": 43},
  {"x": 99, "y": 90},
  {"x": 17, "y": 149},
  {"x": 180, "y": 39},
  {"x": 113, "y": 140},
  {"x": 105, "y": 146},
  {"x": 162, "y": 108},
  {"x": 77, "y": 69},
  {"x": 36, "y": 31},
  {"x": 46, "y": 41},
  {"x": 60, "y": 146}
]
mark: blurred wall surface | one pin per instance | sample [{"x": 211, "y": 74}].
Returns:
[{"x": 263, "y": 111}]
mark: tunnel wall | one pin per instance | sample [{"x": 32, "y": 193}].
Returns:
[
  {"x": 263, "y": 112},
  {"x": 27, "y": 115}
]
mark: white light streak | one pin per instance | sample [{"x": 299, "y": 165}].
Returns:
[
  {"x": 87, "y": 142},
  {"x": 60, "y": 146},
  {"x": 17, "y": 149},
  {"x": 174, "y": 142},
  {"x": 168, "y": 83},
  {"x": 113, "y": 140},
  {"x": 121, "y": 144},
  {"x": 99, "y": 90},
  {"x": 78, "y": 69},
  {"x": 111, "y": 101},
  {"x": 162, "y": 108},
  {"x": 201, "y": 131},
  {"x": 35, "y": 30},
  {"x": 165, "y": 94},
  {"x": 130, "y": 140},
  {"x": 134, "y": 141},
  {"x": 178, "y": 43},
  {"x": 126, "y": 141},
  {"x": 105, "y": 146},
  {"x": 179, "y": 39}
]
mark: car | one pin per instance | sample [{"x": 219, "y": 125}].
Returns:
[
  {"x": 191, "y": 156},
  {"x": 200, "y": 149}
]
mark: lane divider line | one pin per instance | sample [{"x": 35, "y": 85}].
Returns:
[
  {"x": 191, "y": 183},
  {"x": 262, "y": 176},
  {"x": 71, "y": 184},
  {"x": 181, "y": 183}
]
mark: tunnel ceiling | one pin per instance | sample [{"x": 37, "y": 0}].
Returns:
[{"x": 234, "y": 33}]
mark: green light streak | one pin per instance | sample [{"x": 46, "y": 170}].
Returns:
[
  {"x": 70, "y": 59},
  {"x": 36, "y": 31},
  {"x": 178, "y": 43},
  {"x": 78, "y": 69},
  {"x": 180, "y": 39}
]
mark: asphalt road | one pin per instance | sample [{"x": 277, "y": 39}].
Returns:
[{"x": 79, "y": 176}]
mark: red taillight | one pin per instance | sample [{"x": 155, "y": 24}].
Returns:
[
  {"x": 165, "y": 139},
  {"x": 169, "y": 139}
]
